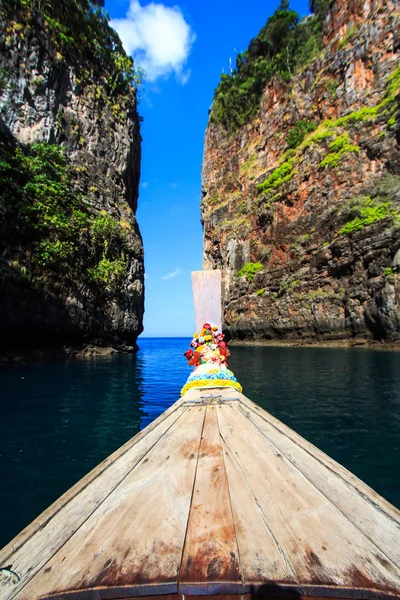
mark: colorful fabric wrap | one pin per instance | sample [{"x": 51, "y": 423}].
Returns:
[{"x": 210, "y": 376}]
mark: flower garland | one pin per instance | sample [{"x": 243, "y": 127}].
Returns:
[
  {"x": 207, "y": 347},
  {"x": 216, "y": 383},
  {"x": 208, "y": 353}
]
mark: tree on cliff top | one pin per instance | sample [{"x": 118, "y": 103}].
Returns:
[
  {"x": 321, "y": 7},
  {"x": 282, "y": 44},
  {"x": 81, "y": 36}
]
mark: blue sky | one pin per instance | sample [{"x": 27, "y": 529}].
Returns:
[{"x": 183, "y": 48}]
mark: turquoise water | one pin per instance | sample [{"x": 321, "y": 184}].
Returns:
[{"x": 60, "y": 419}]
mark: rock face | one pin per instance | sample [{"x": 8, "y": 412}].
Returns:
[
  {"x": 320, "y": 220},
  {"x": 55, "y": 95}
]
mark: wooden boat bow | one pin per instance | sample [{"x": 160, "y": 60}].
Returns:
[{"x": 216, "y": 497}]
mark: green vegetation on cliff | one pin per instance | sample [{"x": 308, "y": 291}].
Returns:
[
  {"x": 362, "y": 211},
  {"x": 280, "y": 175},
  {"x": 283, "y": 44},
  {"x": 366, "y": 213},
  {"x": 71, "y": 257},
  {"x": 338, "y": 148},
  {"x": 297, "y": 134},
  {"x": 335, "y": 131},
  {"x": 81, "y": 37},
  {"x": 46, "y": 230},
  {"x": 250, "y": 270}
]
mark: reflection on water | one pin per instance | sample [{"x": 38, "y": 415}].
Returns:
[
  {"x": 345, "y": 401},
  {"x": 60, "y": 419},
  {"x": 164, "y": 370}
]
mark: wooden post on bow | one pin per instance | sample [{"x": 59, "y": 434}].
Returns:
[{"x": 206, "y": 287}]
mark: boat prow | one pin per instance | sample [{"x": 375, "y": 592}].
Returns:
[{"x": 215, "y": 497}]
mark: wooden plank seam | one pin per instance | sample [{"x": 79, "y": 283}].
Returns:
[
  {"x": 96, "y": 472},
  {"x": 230, "y": 503},
  {"x": 191, "y": 501},
  {"x": 32, "y": 575},
  {"x": 206, "y": 551},
  {"x": 324, "y": 463},
  {"x": 264, "y": 518},
  {"x": 319, "y": 491},
  {"x": 336, "y": 474},
  {"x": 341, "y": 499}
]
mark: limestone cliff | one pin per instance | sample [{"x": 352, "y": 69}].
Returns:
[
  {"x": 301, "y": 206},
  {"x": 71, "y": 256}
]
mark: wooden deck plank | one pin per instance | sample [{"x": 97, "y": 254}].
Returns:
[
  {"x": 323, "y": 547},
  {"x": 132, "y": 544},
  {"x": 273, "y": 514},
  {"x": 210, "y": 563},
  {"x": 384, "y": 532},
  {"x": 41, "y": 540},
  {"x": 46, "y": 516},
  {"x": 326, "y": 460},
  {"x": 260, "y": 557}
]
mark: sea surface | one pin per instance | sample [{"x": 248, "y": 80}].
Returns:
[{"x": 59, "y": 419}]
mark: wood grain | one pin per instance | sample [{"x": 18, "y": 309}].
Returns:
[
  {"x": 50, "y": 532},
  {"x": 321, "y": 545},
  {"x": 374, "y": 524},
  {"x": 261, "y": 560},
  {"x": 215, "y": 497},
  {"x": 206, "y": 286},
  {"x": 210, "y": 557},
  {"x": 371, "y": 495},
  {"x": 134, "y": 540},
  {"x": 101, "y": 470}
]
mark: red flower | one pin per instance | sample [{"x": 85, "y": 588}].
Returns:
[
  {"x": 188, "y": 354},
  {"x": 221, "y": 344},
  {"x": 195, "y": 360},
  {"x": 220, "y": 337},
  {"x": 207, "y": 326},
  {"x": 193, "y": 344}
]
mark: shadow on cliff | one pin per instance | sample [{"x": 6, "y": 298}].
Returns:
[
  {"x": 38, "y": 321},
  {"x": 54, "y": 312},
  {"x": 32, "y": 320}
]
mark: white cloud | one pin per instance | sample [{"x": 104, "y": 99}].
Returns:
[
  {"x": 158, "y": 37},
  {"x": 172, "y": 275},
  {"x": 146, "y": 276}
]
